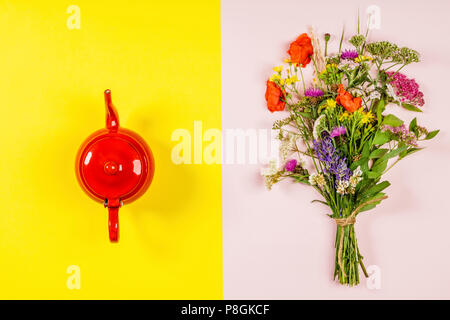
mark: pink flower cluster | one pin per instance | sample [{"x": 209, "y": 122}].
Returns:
[
  {"x": 406, "y": 89},
  {"x": 337, "y": 131},
  {"x": 403, "y": 133}
]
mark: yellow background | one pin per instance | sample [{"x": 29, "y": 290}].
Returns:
[{"x": 161, "y": 59}]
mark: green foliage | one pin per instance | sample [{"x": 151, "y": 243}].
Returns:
[
  {"x": 372, "y": 191},
  {"x": 409, "y": 151},
  {"x": 377, "y": 169},
  {"x": 413, "y": 125},
  {"x": 410, "y": 107},
  {"x": 378, "y": 153},
  {"x": 392, "y": 120},
  {"x": 384, "y": 50},
  {"x": 372, "y": 205},
  {"x": 381, "y": 138},
  {"x": 331, "y": 75},
  {"x": 357, "y": 40},
  {"x": 432, "y": 134},
  {"x": 394, "y": 153},
  {"x": 379, "y": 108}
]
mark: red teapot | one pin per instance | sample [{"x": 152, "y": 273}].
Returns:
[{"x": 114, "y": 166}]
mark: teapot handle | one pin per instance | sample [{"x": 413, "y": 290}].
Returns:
[{"x": 113, "y": 219}]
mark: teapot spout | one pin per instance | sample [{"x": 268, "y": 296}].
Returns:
[{"x": 112, "y": 118}]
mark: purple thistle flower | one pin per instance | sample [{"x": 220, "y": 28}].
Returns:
[
  {"x": 333, "y": 162},
  {"x": 349, "y": 54},
  {"x": 337, "y": 131},
  {"x": 290, "y": 165},
  {"x": 406, "y": 89},
  {"x": 313, "y": 92}
]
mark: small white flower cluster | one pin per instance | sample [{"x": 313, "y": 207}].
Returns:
[
  {"x": 374, "y": 95},
  {"x": 391, "y": 93},
  {"x": 356, "y": 177},
  {"x": 356, "y": 92},
  {"x": 342, "y": 187},
  {"x": 319, "y": 126},
  {"x": 288, "y": 145},
  {"x": 348, "y": 186},
  {"x": 269, "y": 172},
  {"x": 370, "y": 91},
  {"x": 271, "y": 169},
  {"x": 317, "y": 179}
]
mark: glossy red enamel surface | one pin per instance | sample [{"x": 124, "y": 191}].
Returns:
[{"x": 114, "y": 166}]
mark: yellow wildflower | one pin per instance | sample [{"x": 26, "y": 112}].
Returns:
[
  {"x": 363, "y": 58},
  {"x": 367, "y": 117},
  {"x": 360, "y": 111},
  {"x": 331, "y": 103},
  {"x": 344, "y": 116},
  {"x": 287, "y": 61},
  {"x": 331, "y": 66},
  {"x": 291, "y": 80},
  {"x": 275, "y": 77},
  {"x": 278, "y": 69}
]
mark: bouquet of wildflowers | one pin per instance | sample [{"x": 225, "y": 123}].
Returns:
[{"x": 340, "y": 124}]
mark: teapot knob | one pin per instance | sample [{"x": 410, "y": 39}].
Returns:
[{"x": 110, "y": 168}]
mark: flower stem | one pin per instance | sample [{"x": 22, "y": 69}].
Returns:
[
  {"x": 362, "y": 266},
  {"x": 303, "y": 80}
]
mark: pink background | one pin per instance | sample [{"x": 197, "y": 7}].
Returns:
[{"x": 277, "y": 245}]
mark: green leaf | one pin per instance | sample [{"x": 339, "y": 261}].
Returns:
[
  {"x": 369, "y": 207},
  {"x": 381, "y": 138},
  {"x": 360, "y": 163},
  {"x": 394, "y": 153},
  {"x": 364, "y": 185},
  {"x": 410, "y": 107},
  {"x": 306, "y": 114},
  {"x": 432, "y": 134},
  {"x": 379, "y": 109},
  {"x": 363, "y": 162},
  {"x": 323, "y": 202},
  {"x": 372, "y": 205},
  {"x": 413, "y": 125},
  {"x": 373, "y": 175},
  {"x": 409, "y": 151},
  {"x": 366, "y": 151},
  {"x": 377, "y": 169},
  {"x": 374, "y": 190},
  {"x": 300, "y": 179},
  {"x": 378, "y": 153},
  {"x": 392, "y": 120}
]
